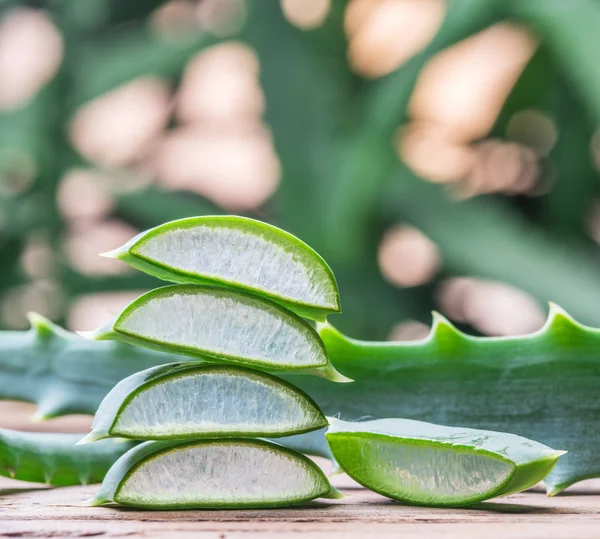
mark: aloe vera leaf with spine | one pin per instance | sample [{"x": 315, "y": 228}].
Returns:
[
  {"x": 64, "y": 373},
  {"x": 54, "y": 458},
  {"x": 187, "y": 401},
  {"x": 237, "y": 252},
  {"x": 425, "y": 464},
  {"x": 221, "y": 325},
  {"x": 213, "y": 473},
  {"x": 542, "y": 386}
]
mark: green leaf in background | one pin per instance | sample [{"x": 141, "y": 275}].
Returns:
[
  {"x": 542, "y": 386},
  {"x": 221, "y": 325},
  {"x": 240, "y": 473},
  {"x": 237, "y": 252},
  {"x": 187, "y": 401},
  {"x": 487, "y": 238},
  {"x": 426, "y": 464},
  {"x": 570, "y": 31},
  {"x": 55, "y": 459}
]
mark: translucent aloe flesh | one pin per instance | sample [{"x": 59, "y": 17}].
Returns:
[
  {"x": 209, "y": 474},
  {"x": 54, "y": 459},
  {"x": 542, "y": 386},
  {"x": 226, "y": 325},
  {"x": 237, "y": 252},
  {"x": 426, "y": 464},
  {"x": 183, "y": 401}
]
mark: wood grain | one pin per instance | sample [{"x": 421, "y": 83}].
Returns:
[{"x": 35, "y": 511}]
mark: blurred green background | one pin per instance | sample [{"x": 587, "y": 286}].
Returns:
[{"x": 440, "y": 154}]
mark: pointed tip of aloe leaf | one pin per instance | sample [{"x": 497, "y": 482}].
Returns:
[
  {"x": 336, "y": 469},
  {"x": 91, "y": 335},
  {"x": 559, "y": 453},
  {"x": 38, "y": 417},
  {"x": 553, "y": 490},
  {"x": 330, "y": 373},
  {"x": 100, "y": 334},
  {"x": 115, "y": 254},
  {"x": 91, "y": 437},
  {"x": 94, "y": 502},
  {"x": 335, "y": 494}
]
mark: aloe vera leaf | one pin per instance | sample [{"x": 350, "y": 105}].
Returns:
[
  {"x": 221, "y": 325},
  {"x": 188, "y": 401},
  {"x": 237, "y": 252},
  {"x": 426, "y": 464},
  {"x": 63, "y": 373},
  {"x": 209, "y": 474},
  {"x": 542, "y": 386},
  {"x": 54, "y": 459}
]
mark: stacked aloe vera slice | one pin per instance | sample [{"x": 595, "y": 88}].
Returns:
[
  {"x": 236, "y": 312},
  {"x": 244, "y": 292}
]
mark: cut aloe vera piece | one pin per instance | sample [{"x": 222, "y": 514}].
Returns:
[
  {"x": 237, "y": 252},
  {"x": 220, "y": 324},
  {"x": 188, "y": 401},
  {"x": 426, "y": 464},
  {"x": 210, "y": 474}
]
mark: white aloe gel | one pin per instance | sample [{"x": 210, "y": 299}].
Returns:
[
  {"x": 212, "y": 474},
  {"x": 183, "y": 401}
]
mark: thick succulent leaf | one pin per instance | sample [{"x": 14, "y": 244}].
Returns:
[
  {"x": 426, "y": 464},
  {"x": 221, "y": 325},
  {"x": 237, "y": 252},
  {"x": 542, "y": 386},
  {"x": 187, "y": 401},
  {"x": 54, "y": 459},
  {"x": 63, "y": 373},
  {"x": 207, "y": 474}
]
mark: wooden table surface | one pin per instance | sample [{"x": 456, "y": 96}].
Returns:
[{"x": 35, "y": 511}]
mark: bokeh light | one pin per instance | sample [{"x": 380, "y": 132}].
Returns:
[
  {"x": 493, "y": 308},
  {"x": 385, "y": 34},
  {"x": 116, "y": 128},
  {"x": 407, "y": 257},
  {"x": 306, "y": 14},
  {"x": 31, "y": 50}
]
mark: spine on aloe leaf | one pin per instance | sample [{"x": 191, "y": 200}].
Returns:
[{"x": 63, "y": 373}]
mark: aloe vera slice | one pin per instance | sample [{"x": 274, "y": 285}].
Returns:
[
  {"x": 426, "y": 464},
  {"x": 237, "y": 252},
  {"x": 53, "y": 458},
  {"x": 210, "y": 474},
  {"x": 543, "y": 386},
  {"x": 186, "y": 401},
  {"x": 220, "y": 324}
]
